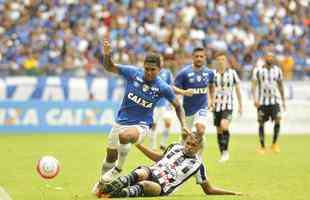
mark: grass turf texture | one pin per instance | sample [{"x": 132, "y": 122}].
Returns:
[{"x": 283, "y": 176}]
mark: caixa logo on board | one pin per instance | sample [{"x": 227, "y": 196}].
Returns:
[
  {"x": 55, "y": 117},
  {"x": 46, "y": 116}
]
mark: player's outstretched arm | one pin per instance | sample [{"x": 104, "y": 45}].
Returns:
[
  {"x": 153, "y": 155},
  {"x": 253, "y": 90},
  {"x": 181, "y": 115},
  {"x": 210, "y": 190},
  {"x": 187, "y": 92},
  {"x": 106, "y": 60}
]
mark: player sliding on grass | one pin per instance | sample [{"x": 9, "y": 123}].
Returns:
[
  {"x": 171, "y": 170},
  {"x": 143, "y": 89}
]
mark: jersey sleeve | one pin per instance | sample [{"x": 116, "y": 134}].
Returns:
[
  {"x": 211, "y": 78},
  {"x": 179, "y": 80},
  {"x": 126, "y": 71},
  {"x": 168, "y": 93},
  {"x": 201, "y": 174}
]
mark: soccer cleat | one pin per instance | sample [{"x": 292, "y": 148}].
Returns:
[
  {"x": 110, "y": 175},
  {"x": 224, "y": 157},
  {"x": 261, "y": 150},
  {"x": 115, "y": 186},
  {"x": 275, "y": 148}
]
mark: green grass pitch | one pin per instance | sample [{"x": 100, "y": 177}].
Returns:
[{"x": 284, "y": 176}]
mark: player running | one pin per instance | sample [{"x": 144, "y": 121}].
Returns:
[
  {"x": 195, "y": 82},
  {"x": 172, "y": 169},
  {"x": 225, "y": 81},
  {"x": 143, "y": 89},
  {"x": 268, "y": 79}
]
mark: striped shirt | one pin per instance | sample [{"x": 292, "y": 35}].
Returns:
[
  {"x": 175, "y": 168},
  {"x": 267, "y": 79},
  {"x": 224, "y": 86}
]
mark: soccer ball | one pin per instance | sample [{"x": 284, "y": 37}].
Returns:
[{"x": 48, "y": 167}]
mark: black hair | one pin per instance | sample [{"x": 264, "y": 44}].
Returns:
[
  {"x": 198, "y": 49},
  {"x": 153, "y": 58}
]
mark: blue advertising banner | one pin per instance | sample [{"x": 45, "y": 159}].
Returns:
[{"x": 35, "y": 116}]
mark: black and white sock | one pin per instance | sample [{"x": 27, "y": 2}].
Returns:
[{"x": 131, "y": 191}]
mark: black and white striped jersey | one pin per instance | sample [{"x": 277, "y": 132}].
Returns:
[
  {"x": 224, "y": 89},
  {"x": 267, "y": 79},
  {"x": 175, "y": 168}
]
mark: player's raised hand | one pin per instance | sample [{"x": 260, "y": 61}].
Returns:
[
  {"x": 185, "y": 130},
  {"x": 185, "y": 133}
]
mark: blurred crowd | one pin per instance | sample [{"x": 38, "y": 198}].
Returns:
[{"x": 64, "y": 37}]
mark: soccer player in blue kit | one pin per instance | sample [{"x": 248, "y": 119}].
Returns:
[
  {"x": 195, "y": 82},
  {"x": 143, "y": 89}
]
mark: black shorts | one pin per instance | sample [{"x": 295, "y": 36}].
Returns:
[
  {"x": 266, "y": 112},
  {"x": 218, "y": 116}
]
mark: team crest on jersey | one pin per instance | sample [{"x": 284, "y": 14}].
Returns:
[
  {"x": 145, "y": 88},
  {"x": 199, "y": 78}
]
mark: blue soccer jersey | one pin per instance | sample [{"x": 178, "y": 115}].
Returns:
[
  {"x": 165, "y": 75},
  {"x": 140, "y": 96},
  {"x": 198, "y": 80}
]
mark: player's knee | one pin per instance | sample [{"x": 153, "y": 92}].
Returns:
[
  {"x": 278, "y": 120},
  {"x": 143, "y": 173},
  {"x": 150, "y": 188},
  {"x": 128, "y": 137},
  {"x": 225, "y": 124},
  {"x": 167, "y": 123}
]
